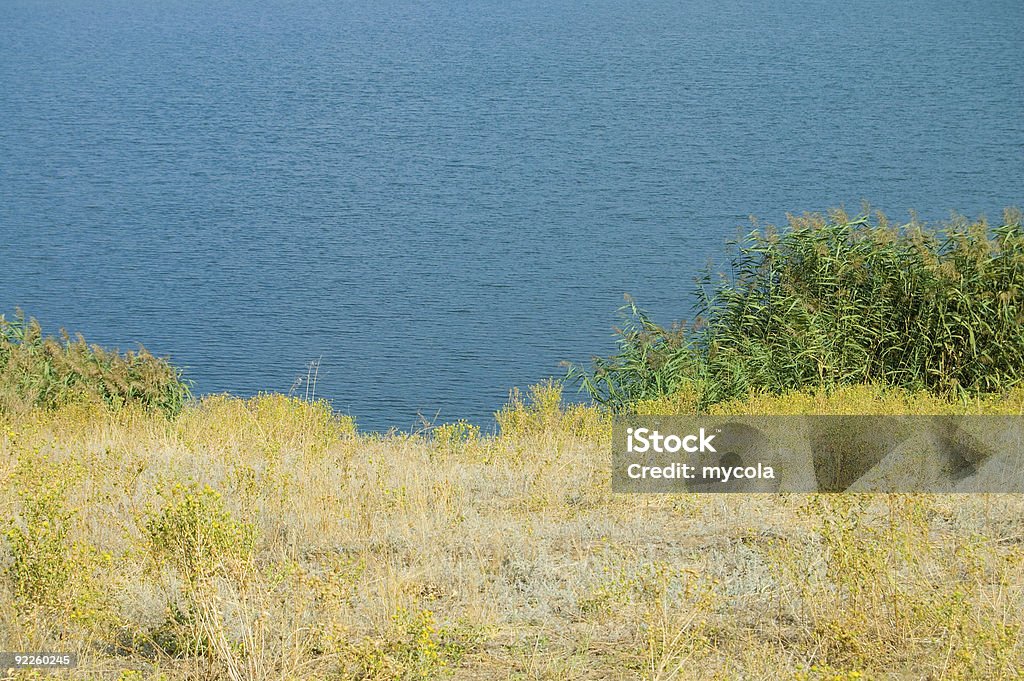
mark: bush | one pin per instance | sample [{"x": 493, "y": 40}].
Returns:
[
  {"x": 417, "y": 647},
  {"x": 41, "y": 567},
  {"x": 208, "y": 550},
  {"x": 196, "y": 534},
  {"x": 833, "y": 302},
  {"x": 53, "y": 574},
  {"x": 38, "y": 371},
  {"x": 541, "y": 412}
]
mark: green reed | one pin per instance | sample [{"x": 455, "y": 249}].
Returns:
[
  {"x": 834, "y": 301},
  {"x": 41, "y": 371}
]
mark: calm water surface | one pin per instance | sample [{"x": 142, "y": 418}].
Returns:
[{"x": 444, "y": 199}]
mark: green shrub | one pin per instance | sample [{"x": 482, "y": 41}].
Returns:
[
  {"x": 541, "y": 412},
  {"x": 53, "y": 574},
  {"x": 416, "y": 647},
  {"x": 832, "y": 302},
  {"x": 455, "y": 436},
  {"x": 41, "y": 555},
  {"x": 41, "y": 371},
  {"x": 196, "y": 534}
]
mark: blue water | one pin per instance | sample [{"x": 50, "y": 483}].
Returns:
[{"x": 446, "y": 198}]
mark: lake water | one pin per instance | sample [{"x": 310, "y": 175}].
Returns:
[{"x": 444, "y": 199}]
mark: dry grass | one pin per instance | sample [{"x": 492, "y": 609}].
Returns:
[{"x": 266, "y": 539}]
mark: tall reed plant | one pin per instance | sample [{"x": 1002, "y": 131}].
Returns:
[
  {"x": 41, "y": 371},
  {"x": 834, "y": 301}
]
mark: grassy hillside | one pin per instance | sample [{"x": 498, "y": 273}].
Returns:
[
  {"x": 266, "y": 538},
  {"x": 162, "y": 537}
]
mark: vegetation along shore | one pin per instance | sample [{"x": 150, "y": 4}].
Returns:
[{"x": 162, "y": 536}]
